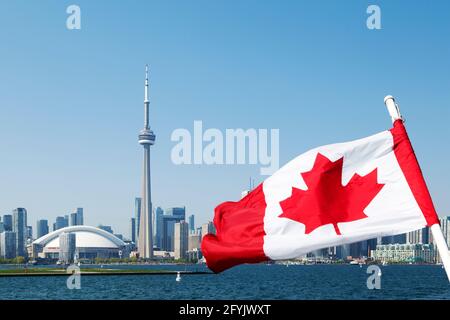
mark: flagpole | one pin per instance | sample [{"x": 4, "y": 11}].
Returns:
[{"x": 436, "y": 231}]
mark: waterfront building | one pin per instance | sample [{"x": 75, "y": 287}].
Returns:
[
  {"x": 194, "y": 255},
  {"x": 20, "y": 229},
  {"x": 41, "y": 228},
  {"x": 405, "y": 253},
  {"x": 181, "y": 240},
  {"x": 8, "y": 245},
  {"x": 146, "y": 139},
  {"x": 8, "y": 222},
  {"x": 67, "y": 247}
]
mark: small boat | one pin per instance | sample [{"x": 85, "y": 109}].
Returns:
[{"x": 178, "y": 278}]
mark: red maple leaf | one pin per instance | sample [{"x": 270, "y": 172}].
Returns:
[{"x": 327, "y": 200}]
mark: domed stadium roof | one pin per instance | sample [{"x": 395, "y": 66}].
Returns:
[{"x": 86, "y": 237}]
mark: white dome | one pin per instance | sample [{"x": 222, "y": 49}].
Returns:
[
  {"x": 86, "y": 240},
  {"x": 86, "y": 237}
]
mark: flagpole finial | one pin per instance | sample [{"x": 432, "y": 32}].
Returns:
[{"x": 392, "y": 107}]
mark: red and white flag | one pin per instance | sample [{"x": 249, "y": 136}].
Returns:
[{"x": 328, "y": 196}]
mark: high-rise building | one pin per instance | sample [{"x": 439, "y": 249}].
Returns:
[
  {"x": 78, "y": 219},
  {"x": 445, "y": 227},
  {"x": 194, "y": 242},
  {"x": 137, "y": 215},
  {"x": 421, "y": 236},
  {"x": 133, "y": 230},
  {"x": 41, "y": 228},
  {"x": 158, "y": 223},
  {"x": 29, "y": 234},
  {"x": 191, "y": 221},
  {"x": 73, "y": 219},
  {"x": 2, "y": 228},
  {"x": 146, "y": 139},
  {"x": 67, "y": 247},
  {"x": 208, "y": 228},
  {"x": 8, "y": 245},
  {"x": 181, "y": 240},
  {"x": 60, "y": 222},
  {"x": 176, "y": 211},
  {"x": 20, "y": 229},
  {"x": 8, "y": 222},
  {"x": 170, "y": 217}
]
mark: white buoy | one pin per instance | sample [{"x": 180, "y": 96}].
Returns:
[{"x": 178, "y": 279}]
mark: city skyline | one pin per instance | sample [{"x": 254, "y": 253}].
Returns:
[{"x": 84, "y": 105}]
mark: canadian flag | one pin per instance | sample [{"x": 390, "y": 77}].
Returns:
[{"x": 328, "y": 196}]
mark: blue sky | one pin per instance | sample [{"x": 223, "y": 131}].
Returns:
[{"x": 71, "y": 102}]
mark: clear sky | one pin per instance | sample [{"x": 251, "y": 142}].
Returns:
[{"x": 71, "y": 101}]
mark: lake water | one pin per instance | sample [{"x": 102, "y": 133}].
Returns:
[{"x": 242, "y": 282}]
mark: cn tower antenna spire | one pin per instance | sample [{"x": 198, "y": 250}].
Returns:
[{"x": 146, "y": 101}]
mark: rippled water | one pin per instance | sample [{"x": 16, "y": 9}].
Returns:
[{"x": 242, "y": 282}]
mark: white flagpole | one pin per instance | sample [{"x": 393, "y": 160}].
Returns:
[{"x": 438, "y": 237}]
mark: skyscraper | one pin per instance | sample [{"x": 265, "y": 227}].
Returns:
[
  {"x": 181, "y": 240},
  {"x": 60, "y": 222},
  {"x": 73, "y": 219},
  {"x": 67, "y": 247},
  {"x": 194, "y": 242},
  {"x": 146, "y": 139},
  {"x": 191, "y": 224},
  {"x": 137, "y": 216},
  {"x": 170, "y": 217},
  {"x": 20, "y": 229},
  {"x": 8, "y": 222},
  {"x": 418, "y": 236},
  {"x": 29, "y": 234},
  {"x": 76, "y": 217},
  {"x": 158, "y": 223},
  {"x": 133, "y": 230},
  {"x": 208, "y": 228},
  {"x": 8, "y": 245},
  {"x": 41, "y": 228},
  {"x": 445, "y": 227}
]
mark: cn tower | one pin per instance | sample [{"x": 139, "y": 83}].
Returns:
[{"x": 146, "y": 139}]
